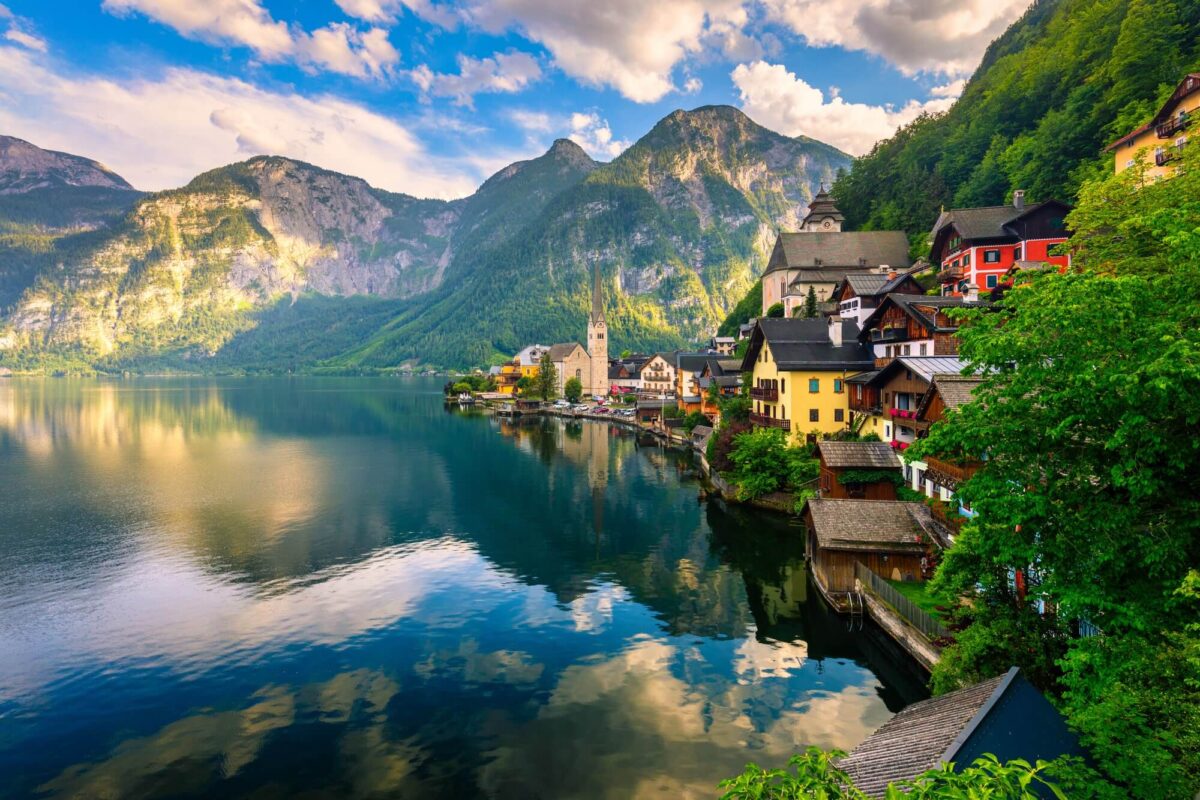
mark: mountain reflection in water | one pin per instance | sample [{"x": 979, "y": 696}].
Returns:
[{"x": 337, "y": 587}]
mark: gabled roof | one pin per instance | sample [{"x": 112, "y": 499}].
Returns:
[
  {"x": 954, "y": 389},
  {"x": 921, "y": 308},
  {"x": 854, "y": 455},
  {"x": 1189, "y": 84},
  {"x": 922, "y": 367},
  {"x": 921, "y": 736},
  {"x": 531, "y": 355},
  {"x": 878, "y": 525},
  {"x": 987, "y": 223},
  {"x": 798, "y": 344},
  {"x": 692, "y": 362},
  {"x": 841, "y": 249},
  {"x": 870, "y": 284},
  {"x": 559, "y": 352}
]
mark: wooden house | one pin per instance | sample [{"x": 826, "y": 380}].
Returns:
[
  {"x": 857, "y": 296},
  {"x": 888, "y": 537},
  {"x": 846, "y": 467},
  {"x": 1005, "y": 716},
  {"x": 913, "y": 325},
  {"x": 939, "y": 478},
  {"x": 901, "y": 385}
]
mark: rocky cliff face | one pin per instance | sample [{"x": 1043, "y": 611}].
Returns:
[
  {"x": 25, "y": 167},
  {"x": 680, "y": 225}
]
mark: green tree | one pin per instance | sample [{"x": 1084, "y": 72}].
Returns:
[
  {"x": 810, "y": 304},
  {"x": 775, "y": 311},
  {"x": 525, "y": 386},
  {"x": 546, "y": 381},
  {"x": 1089, "y": 496},
  {"x": 573, "y": 389}
]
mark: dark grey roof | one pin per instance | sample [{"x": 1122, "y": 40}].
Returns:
[
  {"x": 986, "y": 222},
  {"x": 874, "y": 284},
  {"x": 851, "y": 249},
  {"x": 867, "y": 455},
  {"x": 804, "y": 344},
  {"x": 692, "y": 362},
  {"x": 862, "y": 377},
  {"x": 827, "y": 275},
  {"x": 878, "y": 525},
  {"x": 822, "y": 206},
  {"x": 921, "y": 736},
  {"x": 560, "y": 351}
]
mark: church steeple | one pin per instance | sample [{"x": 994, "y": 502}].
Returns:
[
  {"x": 597, "y": 296},
  {"x": 597, "y": 335}
]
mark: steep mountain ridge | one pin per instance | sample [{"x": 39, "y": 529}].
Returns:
[
  {"x": 25, "y": 167},
  {"x": 678, "y": 224}
]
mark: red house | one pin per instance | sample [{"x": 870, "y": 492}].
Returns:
[{"x": 975, "y": 247}]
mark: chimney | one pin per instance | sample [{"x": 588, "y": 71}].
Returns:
[
  {"x": 1018, "y": 199},
  {"x": 892, "y": 275},
  {"x": 835, "y": 330},
  {"x": 972, "y": 292}
]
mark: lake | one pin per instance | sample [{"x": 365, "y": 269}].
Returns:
[{"x": 338, "y": 588}]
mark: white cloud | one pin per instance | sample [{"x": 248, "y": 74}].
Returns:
[
  {"x": 503, "y": 72},
  {"x": 952, "y": 89},
  {"x": 25, "y": 39},
  {"x": 592, "y": 133},
  {"x": 389, "y": 10},
  {"x": 160, "y": 132},
  {"x": 338, "y": 47},
  {"x": 630, "y": 45},
  {"x": 779, "y": 100},
  {"x": 586, "y": 128},
  {"x": 938, "y": 36},
  {"x": 692, "y": 85}
]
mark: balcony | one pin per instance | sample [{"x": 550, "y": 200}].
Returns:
[
  {"x": 1167, "y": 129},
  {"x": 770, "y": 422},
  {"x": 771, "y": 395},
  {"x": 947, "y": 474},
  {"x": 1164, "y": 157},
  {"x": 951, "y": 274},
  {"x": 898, "y": 334}
]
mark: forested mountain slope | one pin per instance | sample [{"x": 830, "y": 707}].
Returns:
[
  {"x": 1061, "y": 83},
  {"x": 249, "y": 265}
]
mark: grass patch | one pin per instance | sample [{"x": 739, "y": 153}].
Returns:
[{"x": 918, "y": 592}]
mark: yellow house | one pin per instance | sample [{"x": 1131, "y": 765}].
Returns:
[
  {"x": 1157, "y": 143},
  {"x": 525, "y": 364},
  {"x": 798, "y": 372}
]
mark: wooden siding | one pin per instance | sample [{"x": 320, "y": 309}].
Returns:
[{"x": 831, "y": 488}]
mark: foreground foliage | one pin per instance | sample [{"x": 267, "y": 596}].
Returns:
[
  {"x": 815, "y": 775},
  {"x": 1089, "y": 498}
]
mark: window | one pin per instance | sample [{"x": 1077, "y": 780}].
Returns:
[
  {"x": 837, "y": 385},
  {"x": 814, "y": 415},
  {"x": 578, "y": 374},
  {"x": 967, "y": 258},
  {"x": 991, "y": 256},
  {"x": 783, "y": 384},
  {"x": 923, "y": 348},
  {"x": 839, "y": 415},
  {"x": 904, "y": 350},
  {"x": 887, "y": 431},
  {"x": 1017, "y": 252},
  {"x": 991, "y": 281},
  {"x": 814, "y": 385}
]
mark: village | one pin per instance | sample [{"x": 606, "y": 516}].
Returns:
[{"x": 852, "y": 359}]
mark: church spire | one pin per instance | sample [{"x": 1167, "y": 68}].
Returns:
[{"x": 597, "y": 296}]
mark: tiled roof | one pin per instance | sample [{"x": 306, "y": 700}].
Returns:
[
  {"x": 867, "y": 455},
  {"x": 804, "y": 344},
  {"x": 844, "y": 249},
  {"x": 559, "y": 352},
  {"x": 692, "y": 362},
  {"x": 955, "y": 389},
  {"x": 920, "y": 737},
  {"x": 914, "y": 305},
  {"x": 885, "y": 525}
]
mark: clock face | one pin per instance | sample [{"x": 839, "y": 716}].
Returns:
[{"x": 827, "y": 223}]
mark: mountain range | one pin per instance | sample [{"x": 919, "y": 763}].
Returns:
[{"x": 274, "y": 264}]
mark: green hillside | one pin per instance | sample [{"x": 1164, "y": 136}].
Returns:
[{"x": 1065, "y": 80}]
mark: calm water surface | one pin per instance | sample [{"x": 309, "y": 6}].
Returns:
[{"x": 337, "y": 588}]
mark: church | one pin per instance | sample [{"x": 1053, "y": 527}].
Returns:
[
  {"x": 590, "y": 366},
  {"x": 821, "y": 254}
]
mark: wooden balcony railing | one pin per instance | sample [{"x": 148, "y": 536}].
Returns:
[
  {"x": 770, "y": 422},
  {"x": 1172, "y": 126},
  {"x": 1163, "y": 157},
  {"x": 889, "y": 334},
  {"x": 947, "y": 474},
  {"x": 764, "y": 393}
]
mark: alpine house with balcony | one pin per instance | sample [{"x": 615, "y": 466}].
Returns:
[
  {"x": 1158, "y": 142},
  {"x": 798, "y": 372},
  {"x": 975, "y": 247},
  {"x": 913, "y": 325}
]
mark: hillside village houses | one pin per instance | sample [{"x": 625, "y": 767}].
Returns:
[{"x": 1157, "y": 143}]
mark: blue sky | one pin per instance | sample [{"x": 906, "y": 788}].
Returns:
[{"x": 431, "y": 96}]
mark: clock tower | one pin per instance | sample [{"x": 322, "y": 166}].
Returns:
[
  {"x": 823, "y": 216},
  {"x": 597, "y": 340}
]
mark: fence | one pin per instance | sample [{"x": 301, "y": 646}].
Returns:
[{"x": 919, "y": 619}]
